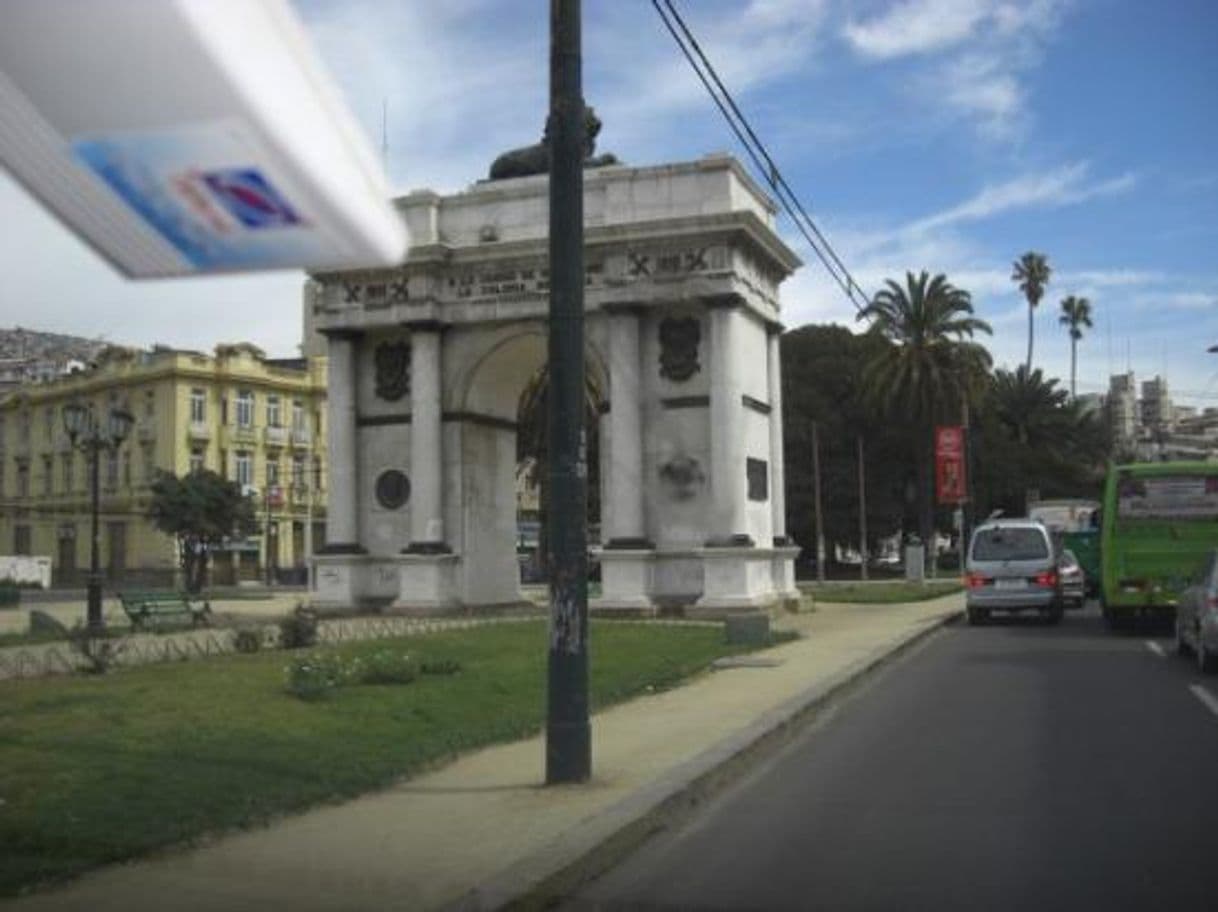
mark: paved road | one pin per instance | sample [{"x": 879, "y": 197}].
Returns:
[{"x": 1014, "y": 766}]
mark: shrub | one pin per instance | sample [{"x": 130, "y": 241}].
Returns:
[
  {"x": 315, "y": 676},
  {"x": 440, "y": 667},
  {"x": 299, "y": 629},
  {"x": 10, "y": 593},
  {"x": 248, "y": 640},
  {"x": 385, "y": 667}
]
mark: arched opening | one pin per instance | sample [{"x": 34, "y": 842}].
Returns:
[
  {"x": 532, "y": 471},
  {"x": 501, "y": 439}
]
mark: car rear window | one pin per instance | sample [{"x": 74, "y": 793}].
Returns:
[{"x": 1010, "y": 544}]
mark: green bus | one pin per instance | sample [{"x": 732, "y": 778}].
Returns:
[{"x": 1158, "y": 521}]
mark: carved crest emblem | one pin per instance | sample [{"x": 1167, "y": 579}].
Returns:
[
  {"x": 679, "y": 338},
  {"x": 392, "y": 370}
]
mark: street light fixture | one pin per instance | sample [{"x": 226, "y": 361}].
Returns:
[{"x": 87, "y": 435}]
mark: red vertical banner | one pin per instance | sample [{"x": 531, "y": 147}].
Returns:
[{"x": 949, "y": 464}]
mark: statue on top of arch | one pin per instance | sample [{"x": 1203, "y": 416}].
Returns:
[{"x": 535, "y": 159}]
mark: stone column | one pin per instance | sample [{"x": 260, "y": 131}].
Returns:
[
  {"x": 778, "y": 474},
  {"x": 426, "y": 443},
  {"x": 628, "y": 556},
  {"x": 729, "y": 520},
  {"x": 342, "y": 514},
  {"x": 625, "y": 488}
]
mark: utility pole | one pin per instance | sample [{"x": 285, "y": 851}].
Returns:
[
  {"x": 862, "y": 512},
  {"x": 820, "y": 526},
  {"x": 568, "y": 733}
]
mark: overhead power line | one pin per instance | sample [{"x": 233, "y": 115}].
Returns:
[{"x": 757, "y": 151}]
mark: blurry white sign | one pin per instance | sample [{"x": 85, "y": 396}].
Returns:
[{"x": 189, "y": 136}]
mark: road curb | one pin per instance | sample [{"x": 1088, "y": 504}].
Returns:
[{"x": 596, "y": 844}]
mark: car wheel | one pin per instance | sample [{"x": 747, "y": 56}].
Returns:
[
  {"x": 1181, "y": 643},
  {"x": 1056, "y": 613},
  {"x": 977, "y": 616},
  {"x": 1207, "y": 662}
]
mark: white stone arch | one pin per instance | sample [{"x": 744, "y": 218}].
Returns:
[{"x": 428, "y": 359}]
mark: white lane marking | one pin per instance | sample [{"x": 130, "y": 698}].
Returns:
[
  {"x": 1156, "y": 649},
  {"x": 1205, "y": 697}
]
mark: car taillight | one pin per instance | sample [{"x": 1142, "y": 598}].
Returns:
[
  {"x": 1211, "y": 602},
  {"x": 975, "y": 580},
  {"x": 1048, "y": 578}
]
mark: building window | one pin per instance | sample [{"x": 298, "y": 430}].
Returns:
[
  {"x": 49, "y": 417},
  {"x": 272, "y": 472},
  {"x": 150, "y": 403},
  {"x": 21, "y": 540},
  {"x": 23, "y": 479},
  {"x": 317, "y": 486},
  {"x": 298, "y": 416},
  {"x": 111, "y": 470},
  {"x": 23, "y": 428},
  {"x": 298, "y": 471},
  {"x": 48, "y": 472},
  {"x": 149, "y": 461},
  {"x": 224, "y": 409},
  {"x": 69, "y": 470},
  {"x": 245, "y": 470},
  {"x": 127, "y": 468},
  {"x": 198, "y": 406},
  {"x": 223, "y": 463},
  {"x": 196, "y": 459},
  {"x": 245, "y": 409},
  {"x": 273, "y": 418}
]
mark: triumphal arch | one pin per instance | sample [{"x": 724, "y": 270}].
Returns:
[{"x": 428, "y": 362}]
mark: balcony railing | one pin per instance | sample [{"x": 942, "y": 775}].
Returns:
[
  {"x": 301, "y": 437},
  {"x": 198, "y": 431},
  {"x": 276, "y": 436}
]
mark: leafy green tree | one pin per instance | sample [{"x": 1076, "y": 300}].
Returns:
[
  {"x": 822, "y": 382},
  {"x": 1032, "y": 272},
  {"x": 1031, "y": 435},
  {"x": 931, "y": 371},
  {"x": 200, "y": 509},
  {"x": 1076, "y": 314}
]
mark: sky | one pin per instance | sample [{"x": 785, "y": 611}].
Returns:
[{"x": 940, "y": 135}]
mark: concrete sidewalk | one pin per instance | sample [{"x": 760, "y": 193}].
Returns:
[{"x": 482, "y": 830}]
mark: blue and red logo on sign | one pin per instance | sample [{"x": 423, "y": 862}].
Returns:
[{"x": 250, "y": 199}]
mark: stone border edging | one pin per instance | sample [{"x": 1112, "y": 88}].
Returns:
[{"x": 595, "y": 845}]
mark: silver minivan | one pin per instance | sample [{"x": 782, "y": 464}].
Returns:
[{"x": 1012, "y": 567}]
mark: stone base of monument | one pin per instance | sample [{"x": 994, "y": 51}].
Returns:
[
  {"x": 783, "y": 574},
  {"x": 427, "y": 584},
  {"x": 339, "y": 584},
  {"x": 735, "y": 580},
  {"x": 626, "y": 583}
]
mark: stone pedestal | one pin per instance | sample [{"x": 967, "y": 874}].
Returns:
[
  {"x": 427, "y": 584},
  {"x": 340, "y": 583},
  {"x": 735, "y": 580},
  {"x": 626, "y": 583},
  {"x": 783, "y": 571}
]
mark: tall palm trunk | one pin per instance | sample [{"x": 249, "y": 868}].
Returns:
[
  {"x": 1031, "y": 310},
  {"x": 1073, "y": 365}
]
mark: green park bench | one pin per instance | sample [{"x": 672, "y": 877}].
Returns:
[{"x": 148, "y": 610}]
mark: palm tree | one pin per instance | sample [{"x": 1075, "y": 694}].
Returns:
[
  {"x": 1032, "y": 272},
  {"x": 1076, "y": 314},
  {"x": 932, "y": 369}
]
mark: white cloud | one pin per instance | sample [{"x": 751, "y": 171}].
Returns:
[
  {"x": 1063, "y": 186},
  {"x": 916, "y": 27}
]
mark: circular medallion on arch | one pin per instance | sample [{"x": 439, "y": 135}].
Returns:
[{"x": 392, "y": 489}]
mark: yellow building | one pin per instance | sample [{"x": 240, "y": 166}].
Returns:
[{"x": 255, "y": 420}]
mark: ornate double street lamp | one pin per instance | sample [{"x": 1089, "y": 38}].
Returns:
[{"x": 88, "y": 435}]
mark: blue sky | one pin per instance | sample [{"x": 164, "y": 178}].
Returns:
[{"x": 946, "y": 135}]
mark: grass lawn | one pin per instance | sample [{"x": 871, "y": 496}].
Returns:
[
  {"x": 885, "y": 592},
  {"x": 94, "y": 770}
]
